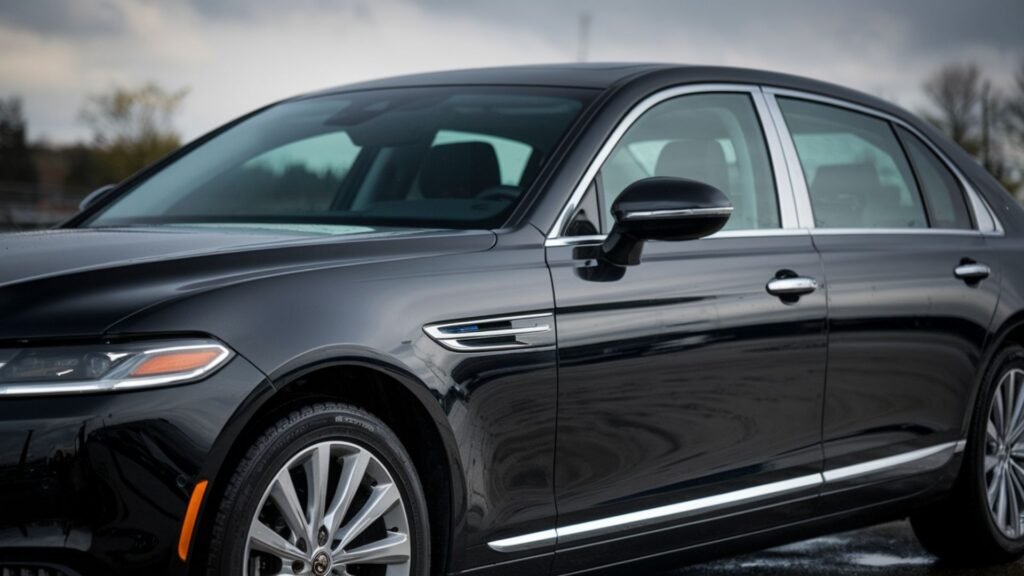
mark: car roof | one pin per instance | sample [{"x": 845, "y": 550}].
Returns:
[
  {"x": 608, "y": 75},
  {"x": 580, "y": 75}
]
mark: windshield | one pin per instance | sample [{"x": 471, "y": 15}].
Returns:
[{"x": 440, "y": 157}]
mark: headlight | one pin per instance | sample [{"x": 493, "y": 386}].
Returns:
[{"x": 107, "y": 367}]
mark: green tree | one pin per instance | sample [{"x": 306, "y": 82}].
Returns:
[
  {"x": 132, "y": 127},
  {"x": 15, "y": 158}
]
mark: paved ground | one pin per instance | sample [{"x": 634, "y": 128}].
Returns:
[{"x": 884, "y": 550}]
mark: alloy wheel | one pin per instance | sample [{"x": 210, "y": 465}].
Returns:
[
  {"x": 1004, "y": 455},
  {"x": 333, "y": 509}
]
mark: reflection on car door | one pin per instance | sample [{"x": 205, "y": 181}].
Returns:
[{"x": 686, "y": 389}]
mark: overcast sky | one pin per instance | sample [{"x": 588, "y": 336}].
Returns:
[{"x": 235, "y": 55}]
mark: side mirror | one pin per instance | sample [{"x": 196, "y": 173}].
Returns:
[
  {"x": 663, "y": 209},
  {"x": 94, "y": 196}
]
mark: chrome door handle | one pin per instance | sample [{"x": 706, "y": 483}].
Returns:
[
  {"x": 972, "y": 271},
  {"x": 795, "y": 286}
]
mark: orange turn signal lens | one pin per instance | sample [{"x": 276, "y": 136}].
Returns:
[
  {"x": 176, "y": 361},
  {"x": 185, "y": 539}
]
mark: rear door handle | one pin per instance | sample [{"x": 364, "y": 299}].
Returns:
[
  {"x": 972, "y": 271},
  {"x": 795, "y": 286}
]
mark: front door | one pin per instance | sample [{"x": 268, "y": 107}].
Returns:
[{"x": 687, "y": 390}]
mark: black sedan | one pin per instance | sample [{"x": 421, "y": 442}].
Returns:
[{"x": 528, "y": 321}]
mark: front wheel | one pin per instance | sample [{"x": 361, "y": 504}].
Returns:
[
  {"x": 328, "y": 490},
  {"x": 982, "y": 522}
]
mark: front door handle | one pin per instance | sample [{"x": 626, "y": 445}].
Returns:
[
  {"x": 794, "y": 286},
  {"x": 972, "y": 272}
]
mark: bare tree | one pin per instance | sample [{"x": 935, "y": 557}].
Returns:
[
  {"x": 956, "y": 91},
  {"x": 1014, "y": 110}
]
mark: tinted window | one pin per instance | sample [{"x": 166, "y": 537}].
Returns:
[
  {"x": 946, "y": 204},
  {"x": 712, "y": 138},
  {"x": 426, "y": 157},
  {"x": 855, "y": 170}
]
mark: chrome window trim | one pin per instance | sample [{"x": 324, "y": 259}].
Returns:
[
  {"x": 985, "y": 220},
  {"x": 751, "y": 233},
  {"x": 893, "y": 231},
  {"x": 772, "y": 140},
  {"x": 621, "y": 522}
]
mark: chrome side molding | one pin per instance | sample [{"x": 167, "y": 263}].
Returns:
[
  {"x": 925, "y": 459},
  {"x": 498, "y": 333}
]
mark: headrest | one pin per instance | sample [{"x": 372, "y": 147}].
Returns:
[
  {"x": 861, "y": 179},
  {"x": 700, "y": 160},
  {"x": 840, "y": 191},
  {"x": 460, "y": 170}
]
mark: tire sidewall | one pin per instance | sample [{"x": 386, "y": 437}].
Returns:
[
  {"x": 1010, "y": 357},
  {"x": 310, "y": 426}
]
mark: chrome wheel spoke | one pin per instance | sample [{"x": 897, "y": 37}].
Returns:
[
  {"x": 384, "y": 497},
  {"x": 317, "y": 469},
  {"x": 263, "y": 539},
  {"x": 283, "y": 494},
  {"x": 1017, "y": 410},
  {"x": 993, "y": 486},
  {"x": 992, "y": 435},
  {"x": 353, "y": 470},
  {"x": 295, "y": 531},
  {"x": 998, "y": 412},
  {"x": 1004, "y": 458},
  {"x": 990, "y": 463},
  {"x": 394, "y": 549},
  {"x": 1013, "y": 504}
]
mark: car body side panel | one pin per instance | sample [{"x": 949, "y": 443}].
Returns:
[{"x": 498, "y": 407}]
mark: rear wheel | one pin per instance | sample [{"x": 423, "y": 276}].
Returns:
[
  {"x": 328, "y": 490},
  {"x": 982, "y": 522}
]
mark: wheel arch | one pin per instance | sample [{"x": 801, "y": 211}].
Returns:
[
  {"x": 1011, "y": 330},
  {"x": 417, "y": 417}
]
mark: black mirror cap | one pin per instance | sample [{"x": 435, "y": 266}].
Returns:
[{"x": 661, "y": 208}]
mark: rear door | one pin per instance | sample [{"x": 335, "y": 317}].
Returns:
[
  {"x": 688, "y": 392},
  {"x": 910, "y": 296}
]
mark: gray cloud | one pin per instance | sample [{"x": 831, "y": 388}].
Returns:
[
  {"x": 239, "y": 54},
  {"x": 63, "y": 17}
]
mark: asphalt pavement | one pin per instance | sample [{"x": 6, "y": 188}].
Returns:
[{"x": 886, "y": 549}]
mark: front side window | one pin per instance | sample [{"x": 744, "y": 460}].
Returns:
[
  {"x": 711, "y": 138},
  {"x": 856, "y": 173},
  {"x": 452, "y": 157}
]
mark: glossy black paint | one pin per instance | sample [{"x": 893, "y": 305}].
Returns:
[
  {"x": 683, "y": 379},
  {"x": 675, "y": 379}
]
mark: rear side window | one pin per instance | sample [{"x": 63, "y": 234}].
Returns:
[
  {"x": 856, "y": 172},
  {"x": 943, "y": 194}
]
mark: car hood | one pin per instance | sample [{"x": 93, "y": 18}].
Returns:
[{"x": 68, "y": 283}]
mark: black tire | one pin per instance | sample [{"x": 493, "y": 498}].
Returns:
[
  {"x": 302, "y": 428},
  {"x": 960, "y": 529}
]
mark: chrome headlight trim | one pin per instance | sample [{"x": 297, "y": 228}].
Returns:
[{"x": 120, "y": 381}]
